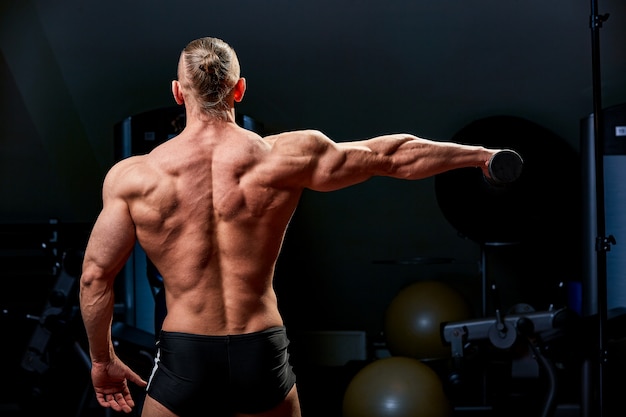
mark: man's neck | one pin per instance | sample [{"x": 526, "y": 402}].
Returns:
[{"x": 195, "y": 113}]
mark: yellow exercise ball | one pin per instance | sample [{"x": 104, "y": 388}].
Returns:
[
  {"x": 413, "y": 319},
  {"x": 396, "y": 387}
]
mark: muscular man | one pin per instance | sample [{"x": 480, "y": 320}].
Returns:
[{"x": 210, "y": 208}]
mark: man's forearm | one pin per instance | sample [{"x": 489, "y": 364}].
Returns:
[
  {"x": 96, "y": 304},
  {"x": 417, "y": 158}
]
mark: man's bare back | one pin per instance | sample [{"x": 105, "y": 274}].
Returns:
[
  {"x": 210, "y": 208},
  {"x": 199, "y": 204}
]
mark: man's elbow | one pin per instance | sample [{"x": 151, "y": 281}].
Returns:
[{"x": 90, "y": 274}]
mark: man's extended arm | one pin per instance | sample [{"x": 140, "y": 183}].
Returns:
[{"x": 312, "y": 160}]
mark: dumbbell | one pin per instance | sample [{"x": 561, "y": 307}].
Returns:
[{"x": 505, "y": 167}]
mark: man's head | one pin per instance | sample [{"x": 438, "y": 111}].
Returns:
[{"x": 208, "y": 69}]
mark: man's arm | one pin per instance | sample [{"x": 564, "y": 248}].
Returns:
[
  {"x": 409, "y": 157},
  {"x": 110, "y": 243},
  {"x": 310, "y": 159}
]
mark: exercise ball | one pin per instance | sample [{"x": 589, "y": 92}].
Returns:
[
  {"x": 395, "y": 387},
  {"x": 413, "y": 319}
]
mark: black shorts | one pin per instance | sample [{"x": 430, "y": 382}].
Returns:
[{"x": 247, "y": 373}]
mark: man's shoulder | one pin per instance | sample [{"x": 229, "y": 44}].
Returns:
[
  {"x": 300, "y": 138},
  {"x": 128, "y": 163},
  {"x": 128, "y": 169}
]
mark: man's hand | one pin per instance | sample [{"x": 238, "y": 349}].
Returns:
[{"x": 110, "y": 381}]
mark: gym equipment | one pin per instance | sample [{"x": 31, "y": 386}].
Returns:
[
  {"x": 521, "y": 220},
  {"x": 594, "y": 399},
  {"x": 603, "y": 288},
  {"x": 530, "y": 343},
  {"x": 53, "y": 360},
  {"x": 416, "y": 260},
  {"x": 502, "y": 331},
  {"x": 395, "y": 387},
  {"x": 56, "y": 312},
  {"x": 413, "y": 319},
  {"x": 520, "y": 210},
  {"x": 505, "y": 167}
]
